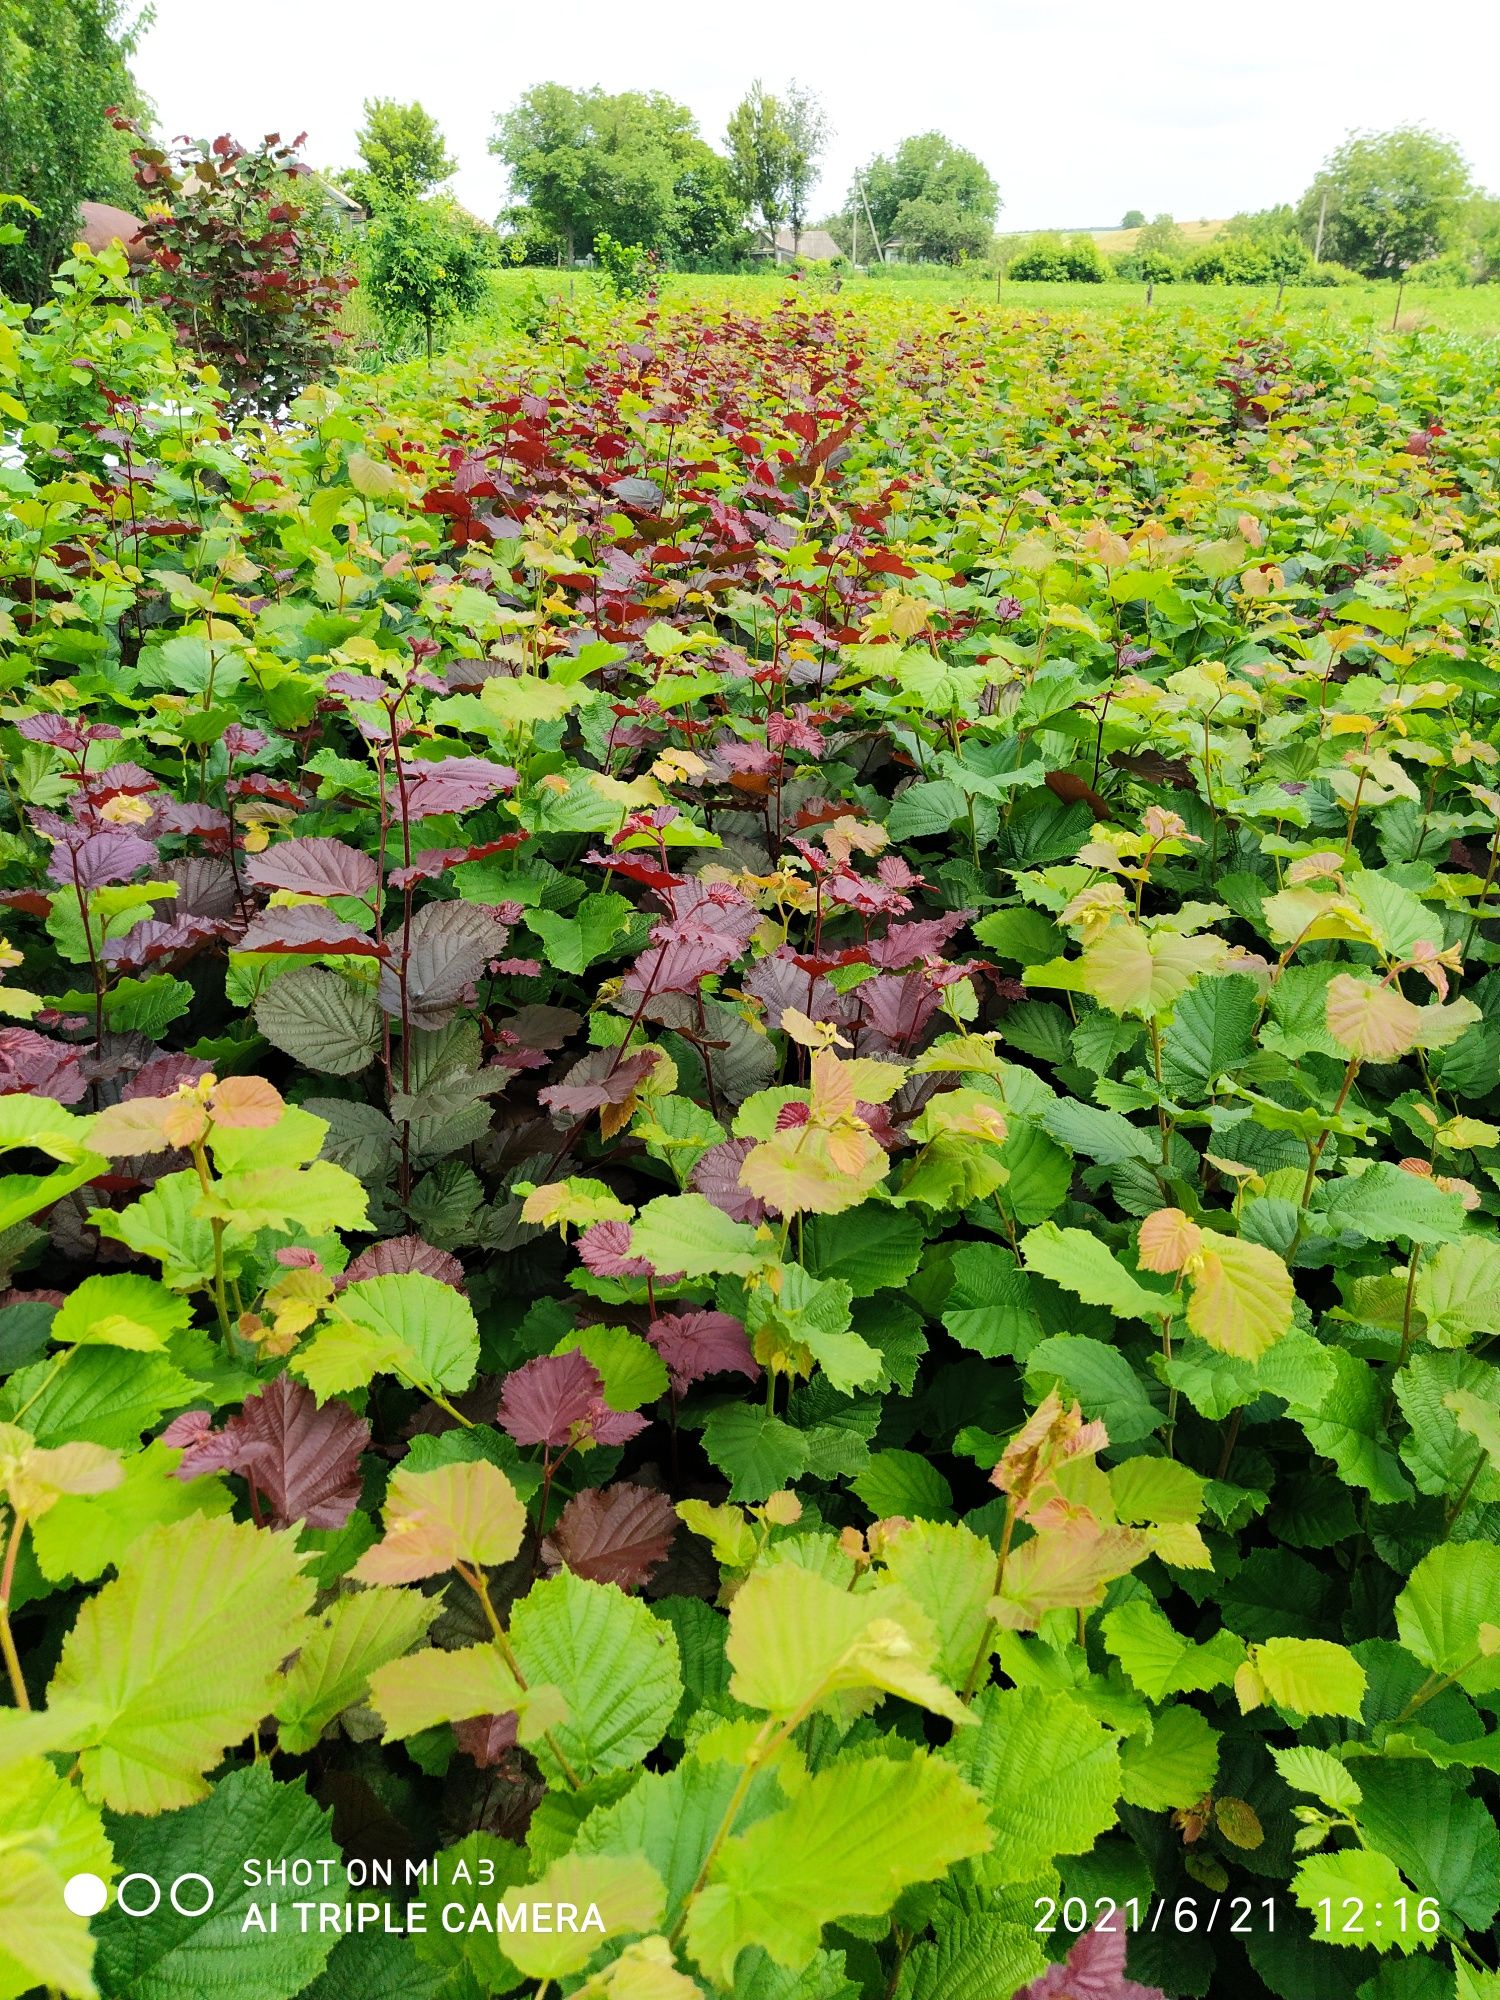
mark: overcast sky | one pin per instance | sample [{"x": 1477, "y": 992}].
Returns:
[{"x": 1080, "y": 108}]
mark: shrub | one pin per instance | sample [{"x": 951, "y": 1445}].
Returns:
[
  {"x": 423, "y": 267},
  {"x": 239, "y": 263},
  {"x": 1055, "y": 259}
]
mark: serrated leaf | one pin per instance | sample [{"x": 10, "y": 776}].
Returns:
[
  {"x": 615, "y": 1666},
  {"x": 1082, "y": 1264},
  {"x": 1174, "y": 1766},
  {"x": 852, "y": 1838},
  {"x": 1311, "y": 1676},
  {"x": 1047, "y": 1771},
  {"x": 1358, "y": 1876},
  {"x": 357, "y": 1634},
  {"x": 179, "y": 1653}
]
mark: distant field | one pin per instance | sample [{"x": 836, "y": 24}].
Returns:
[
  {"x": 1468, "y": 311},
  {"x": 1116, "y": 242}
]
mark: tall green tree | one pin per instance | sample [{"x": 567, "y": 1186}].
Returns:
[
  {"x": 808, "y": 130},
  {"x": 63, "y": 64},
  {"x": 423, "y": 267},
  {"x": 631, "y": 165},
  {"x": 762, "y": 156},
  {"x": 936, "y": 199},
  {"x": 1392, "y": 199},
  {"x": 405, "y": 155}
]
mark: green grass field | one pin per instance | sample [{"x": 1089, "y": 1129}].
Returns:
[{"x": 1467, "y": 311}]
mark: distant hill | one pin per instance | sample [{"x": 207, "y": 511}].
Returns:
[{"x": 1115, "y": 242}]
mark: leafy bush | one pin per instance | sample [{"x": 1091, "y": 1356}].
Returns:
[
  {"x": 1055, "y": 259},
  {"x": 629, "y": 270},
  {"x": 423, "y": 267},
  {"x": 751, "y": 1176},
  {"x": 238, "y": 264}
]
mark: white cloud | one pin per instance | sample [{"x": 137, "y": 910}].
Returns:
[{"x": 1081, "y": 109}]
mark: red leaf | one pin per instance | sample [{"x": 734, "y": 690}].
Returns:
[
  {"x": 486, "y": 1738},
  {"x": 305, "y": 929},
  {"x": 29, "y": 1061},
  {"x": 696, "y": 1344},
  {"x": 317, "y": 867},
  {"x": 454, "y": 785},
  {"x": 98, "y": 859},
  {"x": 558, "y": 1400},
  {"x": 405, "y": 1253},
  {"x": 612, "y": 1534},
  {"x": 303, "y": 1459},
  {"x": 598, "y": 1080}
]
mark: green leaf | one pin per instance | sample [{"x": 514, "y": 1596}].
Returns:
[
  {"x": 426, "y": 1329},
  {"x": 37, "y": 1123},
  {"x": 758, "y": 1454},
  {"x": 51, "y": 1833},
  {"x": 989, "y": 1305},
  {"x": 1384, "y": 1203},
  {"x": 120, "y": 1311},
  {"x": 1356, "y": 1876},
  {"x": 1447, "y": 1614},
  {"x": 905, "y": 1483},
  {"x": 973, "y": 1957},
  {"x": 632, "y": 1371},
  {"x": 948, "y": 1572},
  {"x": 1101, "y": 1379},
  {"x": 1458, "y": 1291},
  {"x": 179, "y": 1654},
  {"x": 866, "y": 1248},
  {"x": 686, "y": 1233},
  {"x": 1311, "y": 1676},
  {"x": 615, "y": 1666},
  {"x": 466, "y": 1511},
  {"x": 1308, "y": 1769},
  {"x": 355, "y": 1635},
  {"x": 1048, "y": 1772},
  {"x": 97, "y": 1395},
  {"x": 1348, "y": 1426},
  {"x": 573, "y": 943},
  {"x": 168, "y": 1956},
  {"x": 83, "y": 1534},
  {"x": 1211, "y": 1031},
  {"x": 796, "y": 1641},
  {"x": 853, "y": 1837},
  {"x": 419, "y": 1690},
  {"x": 1172, "y": 1767},
  {"x": 321, "y": 1019},
  {"x": 1080, "y": 1263},
  {"x": 1159, "y": 1660},
  {"x": 1440, "y": 1836}
]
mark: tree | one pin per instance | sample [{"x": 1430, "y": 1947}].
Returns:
[
  {"x": 423, "y": 266},
  {"x": 404, "y": 152},
  {"x": 1133, "y": 218},
  {"x": 935, "y": 198},
  {"x": 761, "y": 163},
  {"x": 1160, "y": 239},
  {"x": 808, "y": 131},
  {"x": 632, "y": 166},
  {"x": 1393, "y": 199},
  {"x": 63, "y": 65}
]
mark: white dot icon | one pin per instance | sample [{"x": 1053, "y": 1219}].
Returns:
[{"x": 85, "y": 1895}]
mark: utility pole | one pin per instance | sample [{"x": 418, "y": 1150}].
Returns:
[
  {"x": 854, "y": 250},
  {"x": 859, "y": 182},
  {"x": 1322, "y": 218}
]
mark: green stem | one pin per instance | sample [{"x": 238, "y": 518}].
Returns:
[
  {"x": 7, "y": 1637},
  {"x": 988, "y": 1635},
  {"x": 477, "y": 1582}
]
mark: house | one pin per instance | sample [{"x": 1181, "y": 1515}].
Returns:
[
  {"x": 101, "y": 224},
  {"x": 816, "y": 244},
  {"x": 341, "y": 209}
]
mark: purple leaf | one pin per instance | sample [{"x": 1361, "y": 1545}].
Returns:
[
  {"x": 307, "y": 929},
  {"x": 303, "y": 1459},
  {"x": 696, "y": 1344},
  {"x": 455, "y": 785},
  {"x": 320, "y": 866},
  {"x": 405, "y": 1253},
  {"x": 717, "y": 1175},
  {"x": 31, "y": 1062},
  {"x": 97, "y": 860},
  {"x": 558, "y": 1400},
  {"x": 598, "y": 1080},
  {"x": 605, "y": 1250},
  {"x": 1093, "y": 1970},
  {"x": 612, "y": 1534},
  {"x": 446, "y": 948}
]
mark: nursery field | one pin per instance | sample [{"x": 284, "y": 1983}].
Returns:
[{"x": 751, "y": 1090}]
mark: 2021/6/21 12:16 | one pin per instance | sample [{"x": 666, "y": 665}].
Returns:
[{"x": 1402, "y": 1916}]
